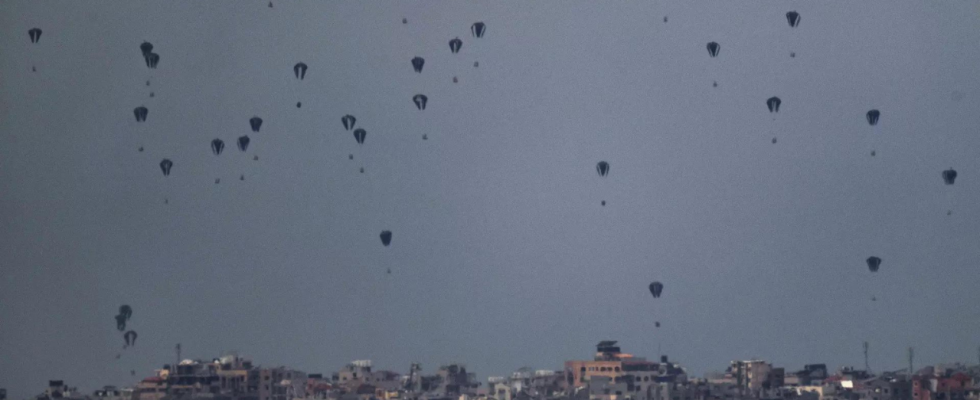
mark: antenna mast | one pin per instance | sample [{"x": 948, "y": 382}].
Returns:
[
  {"x": 911, "y": 357},
  {"x": 866, "y": 366}
]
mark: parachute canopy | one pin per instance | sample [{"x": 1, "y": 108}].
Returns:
[
  {"x": 478, "y": 29},
  {"x": 299, "y": 70},
  {"x": 420, "y": 100},
  {"x": 217, "y": 146},
  {"x": 603, "y": 168},
  {"x": 151, "y": 60},
  {"x": 418, "y": 63},
  {"x": 949, "y": 176},
  {"x": 455, "y": 45},
  {"x": 146, "y": 48},
  {"x": 873, "y": 263},
  {"x": 121, "y": 322},
  {"x": 35, "y": 34},
  {"x": 348, "y": 121},
  {"x": 255, "y": 123},
  {"x": 794, "y": 18},
  {"x": 872, "y": 117},
  {"x": 773, "y": 104},
  {"x": 126, "y": 311},
  {"x": 359, "y": 135},
  {"x": 655, "y": 288},
  {"x": 165, "y": 166},
  {"x": 243, "y": 142},
  {"x": 130, "y": 337},
  {"x": 713, "y": 49},
  {"x": 140, "y": 113},
  {"x": 385, "y": 238}
]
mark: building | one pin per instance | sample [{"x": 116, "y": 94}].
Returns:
[
  {"x": 152, "y": 388},
  {"x": 610, "y": 362},
  {"x": 113, "y": 393},
  {"x": 883, "y": 388},
  {"x": 811, "y": 374},
  {"x": 57, "y": 389},
  {"x": 353, "y": 374}
]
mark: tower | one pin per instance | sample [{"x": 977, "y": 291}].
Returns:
[
  {"x": 867, "y": 368},
  {"x": 911, "y": 356}
]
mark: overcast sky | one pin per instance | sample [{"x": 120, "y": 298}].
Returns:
[{"x": 502, "y": 254}]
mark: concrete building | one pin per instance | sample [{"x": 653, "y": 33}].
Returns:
[
  {"x": 610, "y": 362},
  {"x": 57, "y": 389},
  {"x": 113, "y": 393},
  {"x": 881, "y": 388},
  {"x": 152, "y": 388},
  {"x": 354, "y": 374}
]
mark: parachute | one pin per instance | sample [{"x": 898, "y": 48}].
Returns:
[
  {"x": 794, "y": 18},
  {"x": 165, "y": 166},
  {"x": 130, "y": 338},
  {"x": 126, "y": 311},
  {"x": 478, "y": 29},
  {"x": 657, "y": 324},
  {"x": 300, "y": 70},
  {"x": 151, "y": 60},
  {"x": 420, "y": 100},
  {"x": 243, "y": 142},
  {"x": 713, "y": 49},
  {"x": 35, "y": 34},
  {"x": 773, "y": 104},
  {"x": 140, "y": 113},
  {"x": 656, "y": 288},
  {"x": 603, "y": 168},
  {"x": 873, "y": 263},
  {"x": 872, "y": 117},
  {"x": 121, "y": 322},
  {"x": 418, "y": 63},
  {"x": 217, "y": 146},
  {"x": 949, "y": 176},
  {"x": 386, "y": 238},
  {"x": 455, "y": 45},
  {"x": 348, "y": 121},
  {"x": 146, "y": 48},
  {"x": 359, "y": 135},
  {"x": 255, "y": 123}
]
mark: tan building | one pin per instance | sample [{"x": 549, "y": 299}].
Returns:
[
  {"x": 619, "y": 367},
  {"x": 152, "y": 388}
]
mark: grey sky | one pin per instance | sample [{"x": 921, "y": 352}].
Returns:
[{"x": 502, "y": 255}]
